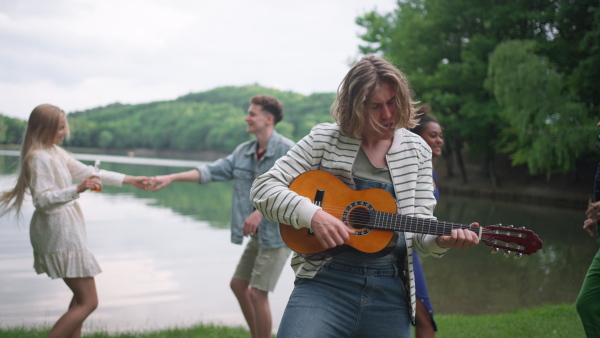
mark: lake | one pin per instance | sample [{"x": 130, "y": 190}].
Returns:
[{"x": 167, "y": 258}]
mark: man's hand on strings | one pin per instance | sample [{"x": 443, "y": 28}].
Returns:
[{"x": 330, "y": 231}]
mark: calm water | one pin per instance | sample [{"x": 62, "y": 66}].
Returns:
[{"x": 167, "y": 259}]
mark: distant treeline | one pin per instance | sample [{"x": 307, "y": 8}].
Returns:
[
  {"x": 11, "y": 130},
  {"x": 207, "y": 121}
]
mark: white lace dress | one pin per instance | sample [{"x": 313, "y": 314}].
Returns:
[{"x": 57, "y": 229}]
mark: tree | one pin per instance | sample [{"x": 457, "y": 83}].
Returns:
[
  {"x": 3, "y": 128},
  {"x": 551, "y": 126},
  {"x": 444, "y": 47},
  {"x": 82, "y": 133},
  {"x": 13, "y": 129},
  {"x": 105, "y": 139},
  {"x": 574, "y": 47}
]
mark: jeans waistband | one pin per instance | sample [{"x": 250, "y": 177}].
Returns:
[{"x": 365, "y": 269}]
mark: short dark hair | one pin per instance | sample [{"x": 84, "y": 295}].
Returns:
[
  {"x": 423, "y": 116},
  {"x": 270, "y": 105}
]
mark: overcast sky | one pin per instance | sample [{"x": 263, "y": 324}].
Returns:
[{"x": 81, "y": 54}]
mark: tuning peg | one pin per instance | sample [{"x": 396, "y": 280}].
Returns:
[
  {"x": 506, "y": 253},
  {"x": 495, "y": 250},
  {"x": 518, "y": 255},
  {"x": 510, "y": 226},
  {"x": 523, "y": 228}
]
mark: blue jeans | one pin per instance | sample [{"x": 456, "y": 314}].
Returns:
[{"x": 348, "y": 301}]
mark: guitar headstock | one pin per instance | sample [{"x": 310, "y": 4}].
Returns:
[{"x": 511, "y": 239}]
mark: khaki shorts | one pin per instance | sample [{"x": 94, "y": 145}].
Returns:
[{"x": 261, "y": 267}]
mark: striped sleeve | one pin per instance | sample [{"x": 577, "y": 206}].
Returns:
[
  {"x": 416, "y": 176},
  {"x": 325, "y": 148},
  {"x": 270, "y": 193}
]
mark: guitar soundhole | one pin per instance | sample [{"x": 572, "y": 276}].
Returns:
[{"x": 358, "y": 218}]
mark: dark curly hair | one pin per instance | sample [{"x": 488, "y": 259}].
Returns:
[{"x": 269, "y": 104}]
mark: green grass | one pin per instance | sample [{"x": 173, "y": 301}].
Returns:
[
  {"x": 545, "y": 321},
  {"x": 200, "y": 330}
]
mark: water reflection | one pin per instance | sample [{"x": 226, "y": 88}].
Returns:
[
  {"x": 167, "y": 259},
  {"x": 160, "y": 269},
  {"x": 475, "y": 282}
]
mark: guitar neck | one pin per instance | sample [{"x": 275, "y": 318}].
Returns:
[{"x": 396, "y": 222}]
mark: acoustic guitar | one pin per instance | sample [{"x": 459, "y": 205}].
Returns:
[{"x": 372, "y": 214}]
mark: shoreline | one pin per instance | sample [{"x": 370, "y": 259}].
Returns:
[
  {"x": 515, "y": 183},
  {"x": 562, "y": 200}
]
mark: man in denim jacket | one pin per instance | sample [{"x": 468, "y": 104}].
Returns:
[{"x": 265, "y": 255}]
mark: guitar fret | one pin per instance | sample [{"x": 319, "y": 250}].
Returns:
[
  {"x": 387, "y": 221},
  {"x": 397, "y": 222}
]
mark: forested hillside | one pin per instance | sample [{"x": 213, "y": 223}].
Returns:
[
  {"x": 207, "y": 121},
  {"x": 11, "y": 130}
]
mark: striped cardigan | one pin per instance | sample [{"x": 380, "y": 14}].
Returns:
[{"x": 327, "y": 148}]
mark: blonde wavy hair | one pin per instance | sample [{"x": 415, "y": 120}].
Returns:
[
  {"x": 357, "y": 89},
  {"x": 40, "y": 133}
]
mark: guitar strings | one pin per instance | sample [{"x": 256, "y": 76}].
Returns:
[{"x": 362, "y": 219}]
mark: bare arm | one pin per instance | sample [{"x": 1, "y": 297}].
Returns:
[{"x": 159, "y": 182}]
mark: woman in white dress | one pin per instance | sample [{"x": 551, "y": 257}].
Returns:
[{"x": 57, "y": 229}]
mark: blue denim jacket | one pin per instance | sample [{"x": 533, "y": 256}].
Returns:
[{"x": 241, "y": 167}]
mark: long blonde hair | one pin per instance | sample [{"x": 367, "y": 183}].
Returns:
[
  {"x": 357, "y": 88},
  {"x": 40, "y": 133}
]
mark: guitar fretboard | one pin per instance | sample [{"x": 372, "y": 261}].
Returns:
[{"x": 395, "y": 222}]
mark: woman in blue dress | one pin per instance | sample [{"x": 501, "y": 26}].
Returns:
[{"x": 430, "y": 130}]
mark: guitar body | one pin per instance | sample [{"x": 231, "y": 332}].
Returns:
[{"x": 345, "y": 204}]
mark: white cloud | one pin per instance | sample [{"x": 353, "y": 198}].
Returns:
[{"x": 80, "y": 54}]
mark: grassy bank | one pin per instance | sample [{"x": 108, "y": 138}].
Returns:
[{"x": 545, "y": 321}]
